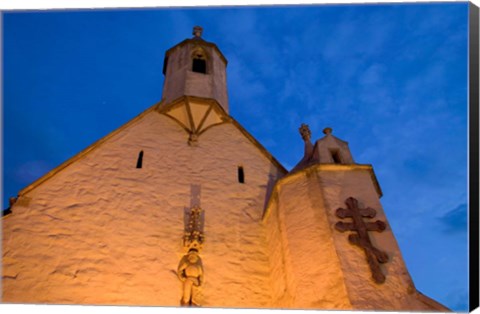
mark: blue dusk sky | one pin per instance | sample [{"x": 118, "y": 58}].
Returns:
[{"x": 390, "y": 79}]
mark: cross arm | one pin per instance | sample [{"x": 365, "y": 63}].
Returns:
[
  {"x": 367, "y": 212},
  {"x": 343, "y": 213},
  {"x": 376, "y": 226},
  {"x": 345, "y": 226}
]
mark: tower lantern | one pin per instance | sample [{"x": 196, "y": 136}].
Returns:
[{"x": 195, "y": 67}]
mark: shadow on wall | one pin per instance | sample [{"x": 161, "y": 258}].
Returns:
[{"x": 273, "y": 177}]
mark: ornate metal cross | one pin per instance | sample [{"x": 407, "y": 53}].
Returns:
[{"x": 361, "y": 238}]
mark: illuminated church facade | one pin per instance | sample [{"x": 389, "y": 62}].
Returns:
[{"x": 181, "y": 206}]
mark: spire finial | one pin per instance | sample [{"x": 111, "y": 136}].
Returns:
[
  {"x": 197, "y": 31},
  {"x": 327, "y": 131},
  {"x": 305, "y": 132}
]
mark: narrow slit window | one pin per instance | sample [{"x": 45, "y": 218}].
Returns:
[
  {"x": 241, "y": 175},
  {"x": 165, "y": 63},
  {"x": 199, "y": 66},
  {"x": 336, "y": 156},
  {"x": 140, "y": 160}
]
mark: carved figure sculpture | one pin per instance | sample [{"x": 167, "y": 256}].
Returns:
[
  {"x": 194, "y": 237},
  {"x": 305, "y": 132},
  {"x": 308, "y": 153},
  {"x": 190, "y": 272}
]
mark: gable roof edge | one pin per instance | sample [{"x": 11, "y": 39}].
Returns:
[
  {"x": 83, "y": 153},
  {"x": 256, "y": 143}
]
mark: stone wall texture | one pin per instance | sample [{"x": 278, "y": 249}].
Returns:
[
  {"x": 323, "y": 269},
  {"x": 101, "y": 231}
]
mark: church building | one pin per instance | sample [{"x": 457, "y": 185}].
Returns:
[{"x": 181, "y": 206}]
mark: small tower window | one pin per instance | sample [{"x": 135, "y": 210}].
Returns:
[
  {"x": 336, "y": 156},
  {"x": 140, "y": 159},
  {"x": 241, "y": 175},
  {"x": 199, "y": 61},
  {"x": 199, "y": 66}
]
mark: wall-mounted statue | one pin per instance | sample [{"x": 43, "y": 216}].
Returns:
[{"x": 190, "y": 272}]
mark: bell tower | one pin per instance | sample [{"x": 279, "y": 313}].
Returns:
[
  {"x": 195, "y": 67},
  {"x": 195, "y": 86}
]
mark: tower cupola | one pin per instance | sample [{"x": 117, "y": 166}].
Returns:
[{"x": 197, "y": 68}]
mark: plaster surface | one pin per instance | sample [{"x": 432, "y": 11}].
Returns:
[
  {"x": 320, "y": 267},
  {"x": 309, "y": 271},
  {"x": 101, "y": 231}
]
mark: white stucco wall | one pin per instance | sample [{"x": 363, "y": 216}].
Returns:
[
  {"x": 398, "y": 291},
  {"x": 323, "y": 269},
  {"x": 314, "y": 278},
  {"x": 101, "y": 231}
]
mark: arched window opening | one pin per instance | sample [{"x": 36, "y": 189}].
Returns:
[
  {"x": 336, "y": 156},
  {"x": 241, "y": 175},
  {"x": 199, "y": 61},
  {"x": 140, "y": 160}
]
